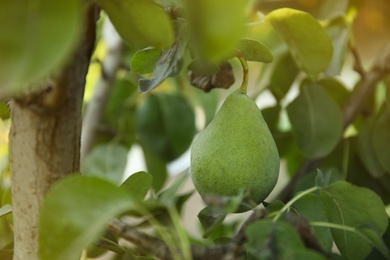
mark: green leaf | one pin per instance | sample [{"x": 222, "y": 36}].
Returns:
[
  {"x": 316, "y": 120},
  {"x": 106, "y": 162},
  {"x": 312, "y": 208},
  {"x": 339, "y": 32},
  {"x": 336, "y": 90},
  {"x": 271, "y": 116},
  {"x": 144, "y": 60},
  {"x": 170, "y": 62},
  {"x": 165, "y": 124},
  {"x": 36, "y": 37},
  {"x": 216, "y": 26},
  {"x": 304, "y": 254},
  {"x": 4, "y": 111},
  {"x": 211, "y": 218},
  {"x": 169, "y": 196},
  {"x": 381, "y": 139},
  {"x": 157, "y": 167},
  {"x": 138, "y": 184},
  {"x": 280, "y": 85},
  {"x": 209, "y": 103},
  {"x": 308, "y": 42},
  {"x": 366, "y": 150},
  {"x": 83, "y": 206},
  {"x": 141, "y": 23},
  {"x": 272, "y": 240},
  {"x": 255, "y": 51},
  {"x": 354, "y": 207},
  {"x": 6, "y": 209}
]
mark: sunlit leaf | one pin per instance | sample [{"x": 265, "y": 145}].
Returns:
[
  {"x": 339, "y": 32},
  {"x": 255, "y": 51},
  {"x": 138, "y": 184},
  {"x": 316, "y": 120},
  {"x": 308, "y": 42},
  {"x": 144, "y": 60},
  {"x": 347, "y": 205},
  {"x": 106, "y": 162},
  {"x": 216, "y": 26},
  {"x": 83, "y": 206},
  {"x": 141, "y": 23},
  {"x": 35, "y": 38}
]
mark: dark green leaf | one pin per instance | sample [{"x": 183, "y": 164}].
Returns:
[
  {"x": 331, "y": 175},
  {"x": 309, "y": 43},
  {"x": 355, "y": 207},
  {"x": 366, "y": 151},
  {"x": 165, "y": 124},
  {"x": 83, "y": 206},
  {"x": 304, "y": 254},
  {"x": 312, "y": 208},
  {"x": 255, "y": 51},
  {"x": 157, "y": 167},
  {"x": 209, "y": 102},
  {"x": 216, "y": 26},
  {"x": 381, "y": 139},
  {"x": 211, "y": 218},
  {"x": 320, "y": 179},
  {"x": 106, "y": 162},
  {"x": 271, "y": 116},
  {"x": 283, "y": 76},
  {"x": 170, "y": 62},
  {"x": 339, "y": 32},
  {"x": 336, "y": 90},
  {"x": 141, "y": 23},
  {"x": 272, "y": 240},
  {"x": 316, "y": 120},
  {"x": 144, "y": 60},
  {"x": 36, "y": 37},
  {"x": 138, "y": 184}
]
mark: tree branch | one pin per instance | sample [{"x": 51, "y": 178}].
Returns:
[
  {"x": 95, "y": 107},
  {"x": 363, "y": 91},
  {"x": 159, "y": 248}
]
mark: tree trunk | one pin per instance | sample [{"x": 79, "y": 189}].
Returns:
[{"x": 45, "y": 141}]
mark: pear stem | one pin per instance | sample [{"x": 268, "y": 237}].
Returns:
[{"x": 245, "y": 71}]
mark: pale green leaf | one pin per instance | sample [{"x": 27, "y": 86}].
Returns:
[
  {"x": 35, "y": 38},
  {"x": 106, "y": 162},
  {"x": 316, "y": 120},
  {"x": 216, "y": 26},
  {"x": 74, "y": 214},
  {"x": 144, "y": 60},
  {"x": 138, "y": 184},
  {"x": 6, "y": 209},
  {"x": 308, "y": 42},
  {"x": 255, "y": 51},
  {"x": 141, "y": 23}
]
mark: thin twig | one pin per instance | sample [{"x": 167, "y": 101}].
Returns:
[{"x": 231, "y": 250}]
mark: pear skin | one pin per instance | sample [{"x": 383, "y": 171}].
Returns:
[{"x": 235, "y": 152}]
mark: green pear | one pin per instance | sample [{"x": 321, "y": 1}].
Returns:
[{"x": 236, "y": 152}]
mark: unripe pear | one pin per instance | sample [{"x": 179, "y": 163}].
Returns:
[{"x": 235, "y": 152}]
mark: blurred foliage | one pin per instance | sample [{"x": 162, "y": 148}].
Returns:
[{"x": 308, "y": 52}]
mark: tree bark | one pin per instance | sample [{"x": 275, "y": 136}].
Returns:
[{"x": 45, "y": 141}]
